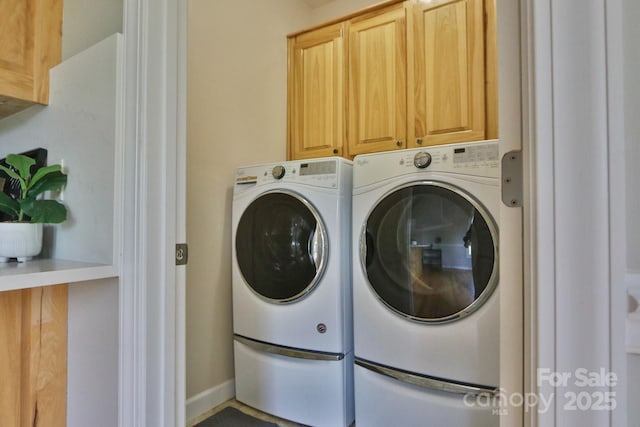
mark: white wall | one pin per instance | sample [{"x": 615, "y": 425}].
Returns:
[
  {"x": 237, "y": 70},
  {"x": 92, "y": 374},
  {"x": 86, "y": 22},
  {"x": 631, "y": 12},
  {"x": 338, "y": 8},
  {"x": 236, "y": 115}
]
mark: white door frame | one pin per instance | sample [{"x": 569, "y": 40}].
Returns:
[
  {"x": 152, "y": 299},
  {"x": 621, "y": 280},
  {"x": 510, "y": 104},
  {"x": 574, "y": 115}
]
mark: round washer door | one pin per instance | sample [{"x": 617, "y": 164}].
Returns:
[
  {"x": 281, "y": 246},
  {"x": 429, "y": 252}
]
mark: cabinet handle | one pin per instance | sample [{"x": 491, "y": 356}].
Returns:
[
  {"x": 419, "y": 141},
  {"x": 335, "y": 151},
  {"x": 399, "y": 143}
]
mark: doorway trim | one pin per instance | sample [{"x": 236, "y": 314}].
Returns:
[
  {"x": 152, "y": 303},
  {"x": 566, "y": 82}
]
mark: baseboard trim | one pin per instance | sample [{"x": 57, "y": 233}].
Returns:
[{"x": 209, "y": 399}]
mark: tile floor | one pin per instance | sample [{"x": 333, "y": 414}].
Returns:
[{"x": 247, "y": 410}]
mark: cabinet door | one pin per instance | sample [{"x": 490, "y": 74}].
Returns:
[
  {"x": 316, "y": 100},
  {"x": 33, "y": 357},
  {"x": 30, "y": 36},
  {"x": 449, "y": 72},
  {"x": 377, "y": 81}
]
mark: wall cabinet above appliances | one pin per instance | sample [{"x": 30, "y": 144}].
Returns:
[
  {"x": 378, "y": 81},
  {"x": 31, "y": 38},
  {"x": 417, "y": 74},
  {"x": 316, "y": 88},
  {"x": 448, "y": 53}
]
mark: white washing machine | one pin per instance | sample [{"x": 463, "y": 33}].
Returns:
[
  {"x": 292, "y": 299},
  {"x": 425, "y": 283}
]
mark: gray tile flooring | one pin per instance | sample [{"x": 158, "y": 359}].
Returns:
[{"x": 247, "y": 410}]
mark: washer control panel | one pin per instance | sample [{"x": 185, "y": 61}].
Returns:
[
  {"x": 320, "y": 173},
  {"x": 318, "y": 168}
]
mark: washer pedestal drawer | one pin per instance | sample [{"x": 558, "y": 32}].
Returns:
[
  {"x": 382, "y": 401},
  {"x": 312, "y": 392}
]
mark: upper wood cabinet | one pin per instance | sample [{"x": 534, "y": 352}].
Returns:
[
  {"x": 449, "y": 72},
  {"x": 31, "y": 37},
  {"x": 417, "y": 74},
  {"x": 377, "y": 81},
  {"x": 316, "y": 100}
]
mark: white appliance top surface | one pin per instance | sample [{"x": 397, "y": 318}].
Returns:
[
  {"x": 471, "y": 158},
  {"x": 327, "y": 172}
]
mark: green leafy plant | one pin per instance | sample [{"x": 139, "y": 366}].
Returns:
[{"x": 28, "y": 204}]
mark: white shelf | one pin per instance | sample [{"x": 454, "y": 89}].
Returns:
[
  {"x": 44, "y": 272},
  {"x": 81, "y": 128}
]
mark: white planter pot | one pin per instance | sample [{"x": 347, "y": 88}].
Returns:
[{"x": 20, "y": 240}]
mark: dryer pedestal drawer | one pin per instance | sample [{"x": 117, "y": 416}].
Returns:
[
  {"x": 312, "y": 392},
  {"x": 382, "y": 401}
]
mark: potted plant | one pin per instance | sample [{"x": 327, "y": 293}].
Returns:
[{"x": 21, "y": 236}]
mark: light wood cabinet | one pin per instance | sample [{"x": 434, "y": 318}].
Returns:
[
  {"x": 316, "y": 100},
  {"x": 418, "y": 74},
  {"x": 33, "y": 357},
  {"x": 377, "y": 81},
  {"x": 449, "y": 72},
  {"x": 31, "y": 37}
]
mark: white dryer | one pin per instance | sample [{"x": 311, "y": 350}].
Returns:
[
  {"x": 291, "y": 282},
  {"x": 425, "y": 283}
]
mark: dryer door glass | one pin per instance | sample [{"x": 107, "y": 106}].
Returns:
[
  {"x": 429, "y": 252},
  {"x": 280, "y": 246}
]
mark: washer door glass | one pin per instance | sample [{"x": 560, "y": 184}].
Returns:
[
  {"x": 280, "y": 246},
  {"x": 429, "y": 252}
]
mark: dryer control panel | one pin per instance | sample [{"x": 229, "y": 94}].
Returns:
[{"x": 473, "y": 158}]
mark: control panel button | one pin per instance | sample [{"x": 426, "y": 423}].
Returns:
[
  {"x": 278, "y": 172},
  {"x": 422, "y": 160}
]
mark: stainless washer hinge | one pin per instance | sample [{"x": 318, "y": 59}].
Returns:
[{"x": 512, "y": 179}]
